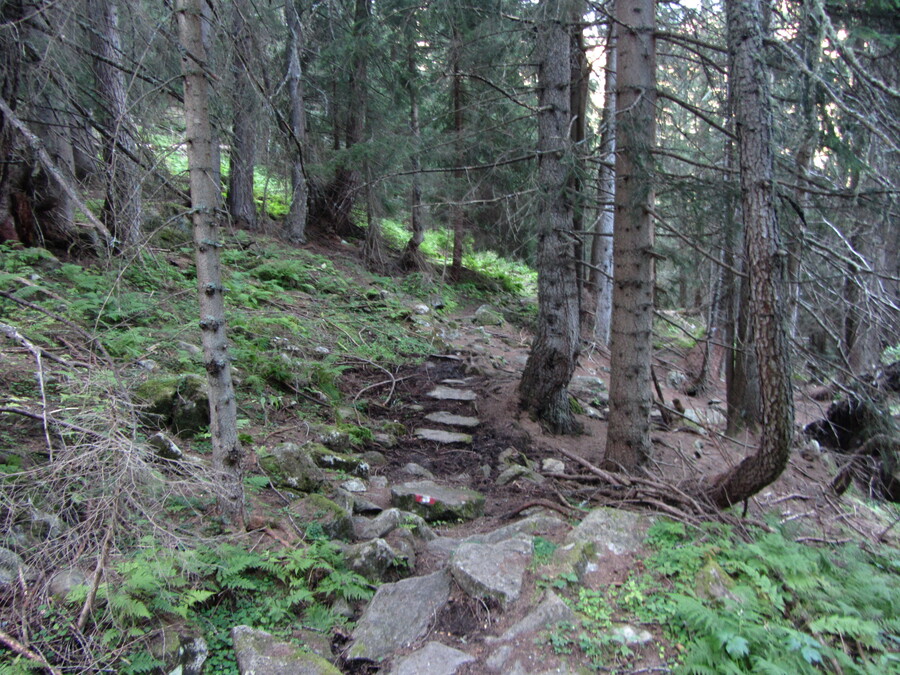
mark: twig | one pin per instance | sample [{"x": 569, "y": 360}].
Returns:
[
  {"x": 29, "y": 654},
  {"x": 618, "y": 481},
  {"x": 13, "y": 334},
  {"x": 98, "y": 572},
  {"x": 47, "y": 418}
]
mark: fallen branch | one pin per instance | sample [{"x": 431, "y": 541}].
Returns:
[
  {"x": 29, "y": 654},
  {"x": 545, "y": 503},
  {"x": 609, "y": 477},
  {"x": 98, "y": 572}
]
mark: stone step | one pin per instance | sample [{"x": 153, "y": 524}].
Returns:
[
  {"x": 453, "y": 420},
  {"x": 450, "y": 394},
  {"x": 443, "y": 437}
]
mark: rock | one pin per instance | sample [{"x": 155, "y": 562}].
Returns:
[
  {"x": 181, "y": 649},
  {"x": 10, "y": 565},
  {"x": 713, "y": 583},
  {"x": 586, "y": 387},
  {"x": 515, "y": 472},
  {"x": 492, "y": 570},
  {"x": 400, "y": 614},
  {"x": 165, "y": 448},
  {"x": 438, "y": 502},
  {"x": 421, "y": 309},
  {"x": 378, "y": 482},
  {"x": 414, "y": 469},
  {"x": 551, "y": 611},
  {"x": 612, "y": 530},
  {"x": 336, "y": 461},
  {"x": 148, "y": 364},
  {"x": 385, "y": 440},
  {"x": 289, "y": 465},
  {"x": 629, "y": 635},
  {"x": 705, "y": 417},
  {"x": 336, "y": 521},
  {"x": 354, "y": 485},
  {"x": 443, "y": 437},
  {"x": 487, "y": 316},
  {"x": 64, "y": 581},
  {"x": 532, "y": 525},
  {"x": 433, "y": 659},
  {"x": 374, "y": 458},
  {"x": 259, "y": 653},
  {"x": 180, "y": 402},
  {"x": 551, "y": 465},
  {"x": 333, "y": 438},
  {"x": 375, "y": 559},
  {"x": 453, "y": 420},
  {"x": 388, "y": 521},
  {"x": 443, "y": 393},
  {"x": 193, "y": 350},
  {"x": 675, "y": 379}
]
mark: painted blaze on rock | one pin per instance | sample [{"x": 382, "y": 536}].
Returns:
[{"x": 438, "y": 502}]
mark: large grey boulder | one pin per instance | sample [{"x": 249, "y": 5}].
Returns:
[
  {"x": 388, "y": 521},
  {"x": 375, "y": 559},
  {"x": 612, "y": 530},
  {"x": 438, "y": 502},
  {"x": 399, "y": 615},
  {"x": 550, "y": 612},
  {"x": 182, "y": 649},
  {"x": 259, "y": 653},
  {"x": 486, "y": 315},
  {"x": 289, "y": 465},
  {"x": 492, "y": 570},
  {"x": 336, "y": 521},
  {"x": 337, "y": 461},
  {"x": 433, "y": 659}
]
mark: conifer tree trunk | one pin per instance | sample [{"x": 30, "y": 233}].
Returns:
[
  {"x": 122, "y": 207},
  {"x": 295, "y": 223},
  {"x": 765, "y": 260},
  {"x": 457, "y": 210},
  {"x": 412, "y": 258},
  {"x": 242, "y": 158},
  {"x": 630, "y": 397},
  {"x": 543, "y": 388},
  {"x": 602, "y": 246},
  {"x": 206, "y": 207}
]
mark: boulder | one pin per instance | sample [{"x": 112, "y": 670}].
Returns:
[
  {"x": 165, "y": 448},
  {"x": 515, "y": 472},
  {"x": 388, "y": 521},
  {"x": 433, "y": 659},
  {"x": 492, "y": 570},
  {"x": 180, "y": 402},
  {"x": 612, "y": 530},
  {"x": 259, "y": 653},
  {"x": 11, "y": 564},
  {"x": 63, "y": 581},
  {"x": 551, "y": 611},
  {"x": 438, "y": 502},
  {"x": 399, "y": 615},
  {"x": 487, "y": 316},
  {"x": 376, "y": 560},
  {"x": 337, "y": 461},
  {"x": 336, "y": 521},
  {"x": 182, "y": 650},
  {"x": 289, "y": 465}
]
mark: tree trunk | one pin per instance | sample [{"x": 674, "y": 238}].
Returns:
[
  {"x": 11, "y": 13},
  {"x": 412, "y": 258},
  {"x": 543, "y": 388},
  {"x": 765, "y": 260},
  {"x": 579, "y": 93},
  {"x": 295, "y": 223},
  {"x": 630, "y": 396},
  {"x": 458, "y": 211},
  {"x": 205, "y": 204},
  {"x": 242, "y": 158},
  {"x": 122, "y": 207},
  {"x": 602, "y": 246}
]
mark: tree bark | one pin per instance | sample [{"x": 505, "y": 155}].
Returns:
[
  {"x": 457, "y": 210},
  {"x": 630, "y": 395},
  {"x": 765, "y": 260},
  {"x": 122, "y": 208},
  {"x": 543, "y": 388},
  {"x": 295, "y": 223},
  {"x": 206, "y": 207},
  {"x": 242, "y": 157},
  {"x": 412, "y": 258},
  {"x": 602, "y": 246}
]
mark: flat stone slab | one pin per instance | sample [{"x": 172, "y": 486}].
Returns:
[
  {"x": 453, "y": 420},
  {"x": 443, "y": 437},
  {"x": 437, "y": 502},
  {"x": 450, "y": 394},
  {"x": 612, "y": 530},
  {"x": 433, "y": 659},
  {"x": 492, "y": 570},
  {"x": 398, "y": 615}
]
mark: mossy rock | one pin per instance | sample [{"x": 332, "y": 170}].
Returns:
[
  {"x": 336, "y": 521},
  {"x": 337, "y": 461},
  {"x": 179, "y": 402},
  {"x": 291, "y": 466}
]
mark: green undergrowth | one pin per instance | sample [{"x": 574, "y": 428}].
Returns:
[
  {"x": 718, "y": 604},
  {"x": 212, "y": 588}
]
